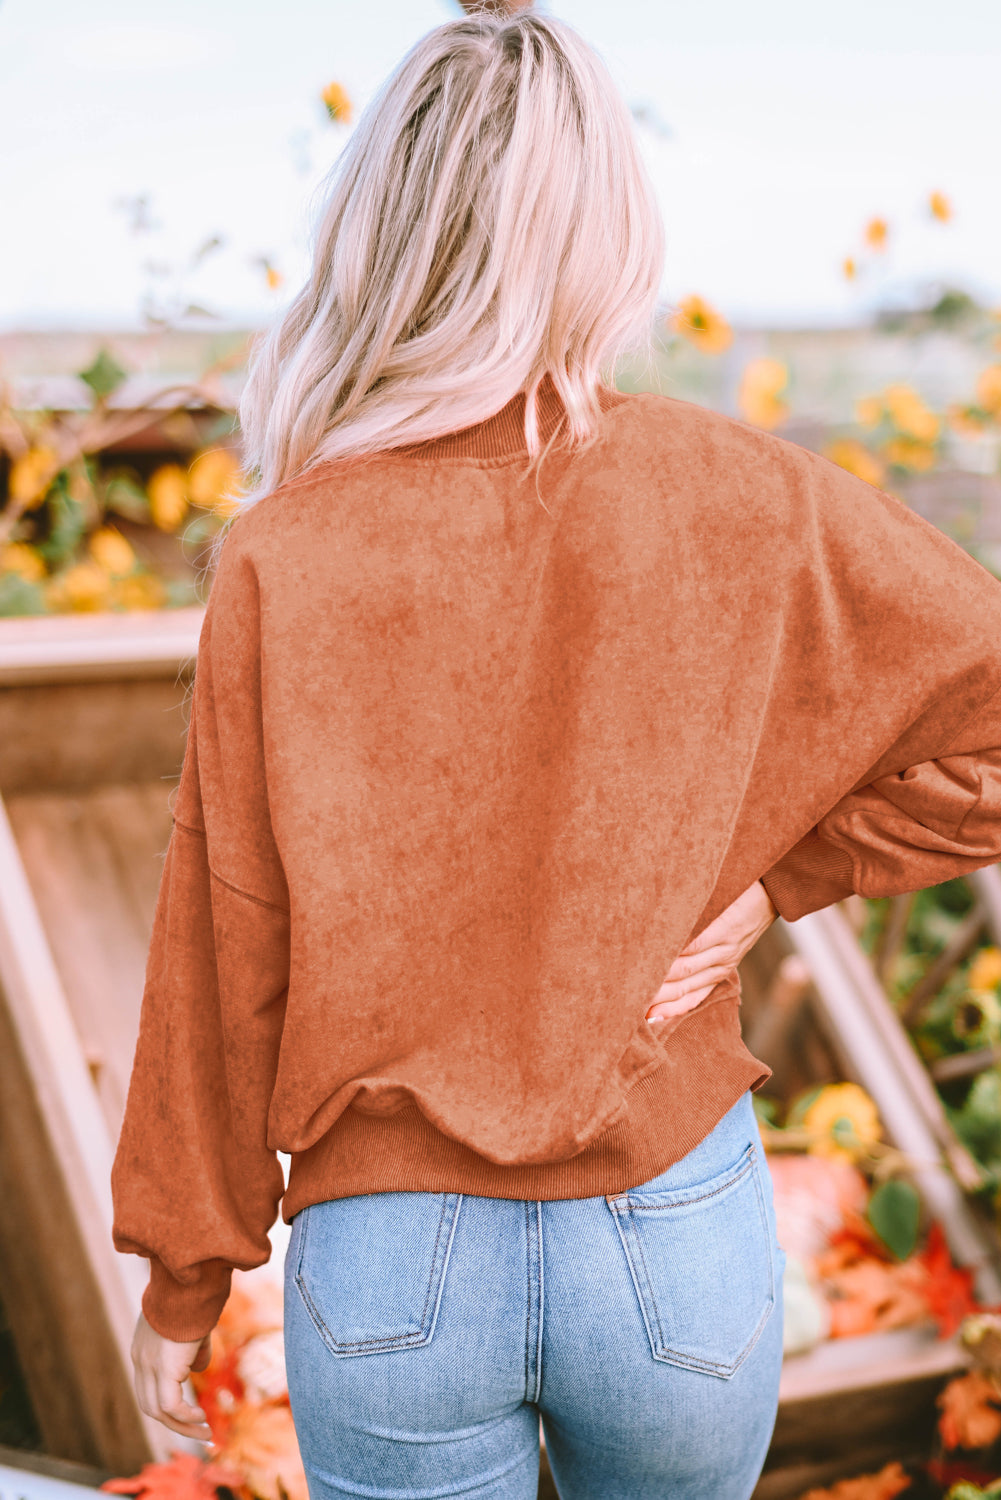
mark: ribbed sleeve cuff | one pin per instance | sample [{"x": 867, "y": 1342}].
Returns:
[
  {"x": 813, "y": 874},
  {"x": 182, "y": 1312}
]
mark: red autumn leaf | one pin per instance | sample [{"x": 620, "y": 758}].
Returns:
[
  {"x": 969, "y": 1417},
  {"x": 891, "y": 1480},
  {"x": 184, "y": 1477},
  {"x": 219, "y": 1390},
  {"x": 949, "y": 1288},
  {"x": 949, "y": 1471},
  {"x": 852, "y": 1241}
]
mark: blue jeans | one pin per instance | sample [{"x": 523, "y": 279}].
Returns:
[{"x": 426, "y": 1333}]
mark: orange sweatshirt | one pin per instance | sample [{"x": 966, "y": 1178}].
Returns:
[{"x": 465, "y": 772}]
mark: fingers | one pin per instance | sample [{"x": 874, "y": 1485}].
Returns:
[
  {"x": 677, "y": 989},
  {"x": 688, "y": 965},
  {"x": 161, "y": 1368},
  {"x": 687, "y": 1002},
  {"x": 714, "y": 954},
  {"x": 676, "y": 999},
  {"x": 177, "y": 1413}
]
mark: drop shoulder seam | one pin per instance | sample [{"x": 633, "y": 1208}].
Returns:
[{"x": 236, "y": 889}]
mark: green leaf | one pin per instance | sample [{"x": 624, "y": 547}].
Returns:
[
  {"x": 766, "y": 1111},
  {"x": 104, "y": 375},
  {"x": 68, "y": 524},
  {"x": 127, "y": 498},
  {"x": 894, "y": 1212},
  {"x": 801, "y": 1103},
  {"x": 181, "y": 593},
  {"x": 224, "y": 425},
  {"x": 978, "y": 1121},
  {"x": 19, "y": 596},
  {"x": 206, "y": 247}
]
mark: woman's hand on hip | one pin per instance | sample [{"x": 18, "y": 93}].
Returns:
[
  {"x": 161, "y": 1368},
  {"x": 715, "y": 953}
]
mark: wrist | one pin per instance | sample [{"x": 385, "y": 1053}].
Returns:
[{"x": 770, "y": 909}]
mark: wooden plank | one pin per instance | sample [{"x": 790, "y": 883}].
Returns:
[
  {"x": 93, "y": 861},
  {"x": 850, "y": 1405},
  {"x": 105, "y": 644},
  {"x": 75, "y": 1330},
  {"x": 986, "y": 885},
  {"x": 892, "y": 1358},
  {"x": 52, "y": 1468},
  {"x": 80, "y": 734}
]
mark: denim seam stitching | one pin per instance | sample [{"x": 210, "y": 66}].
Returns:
[
  {"x": 538, "y": 1337},
  {"x": 434, "y": 1264},
  {"x": 397, "y": 1341},
  {"x": 668, "y": 1355},
  {"x": 657, "y": 1208},
  {"x": 528, "y": 1290}
]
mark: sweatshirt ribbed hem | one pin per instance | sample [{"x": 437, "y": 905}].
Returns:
[
  {"x": 185, "y": 1312},
  {"x": 813, "y": 874},
  {"x": 705, "y": 1071}
]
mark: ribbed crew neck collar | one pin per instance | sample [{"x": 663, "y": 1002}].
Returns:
[{"x": 503, "y": 434}]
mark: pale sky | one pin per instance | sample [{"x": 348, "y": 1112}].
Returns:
[{"x": 788, "y": 126}]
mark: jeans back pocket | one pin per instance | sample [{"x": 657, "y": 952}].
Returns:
[
  {"x": 371, "y": 1269},
  {"x": 703, "y": 1264}
]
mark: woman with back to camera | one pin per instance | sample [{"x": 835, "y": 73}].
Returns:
[{"x": 522, "y": 706}]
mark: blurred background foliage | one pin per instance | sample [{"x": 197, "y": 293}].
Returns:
[{"x": 113, "y": 477}]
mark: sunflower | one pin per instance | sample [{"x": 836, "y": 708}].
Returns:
[
  {"x": 842, "y": 1121},
  {"x": 939, "y": 207},
  {"x": 989, "y": 389},
  {"x": 167, "y": 489},
  {"x": 985, "y": 970},
  {"x": 335, "y": 97},
  {"x": 702, "y": 325},
  {"x": 857, "y": 459}
]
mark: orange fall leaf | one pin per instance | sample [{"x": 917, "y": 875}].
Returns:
[
  {"x": 891, "y": 1480},
  {"x": 184, "y": 1477},
  {"x": 261, "y": 1443},
  {"x": 969, "y": 1417}
]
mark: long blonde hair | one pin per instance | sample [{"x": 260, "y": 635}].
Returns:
[{"x": 489, "y": 220}]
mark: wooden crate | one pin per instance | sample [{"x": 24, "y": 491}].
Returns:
[{"x": 814, "y": 1010}]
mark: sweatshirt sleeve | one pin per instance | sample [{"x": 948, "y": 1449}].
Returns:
[
  {"x": 195, "y": 1186},
  {"x": 903, "y": 831},
  {"x": 880, "y": 753}
]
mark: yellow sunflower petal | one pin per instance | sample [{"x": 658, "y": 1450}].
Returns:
[
  {"x": 111, "y": 551},
  {"x": 31, "y": 475},
  {"x": 700, "y": 323},
  {"x": 854, "y": 456},
  {"x": 22, "y": 559},
  {"x": 985, "y": 970},
  {"x": 213, "y": 480},
  {"x": 168, "y": 496}
]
